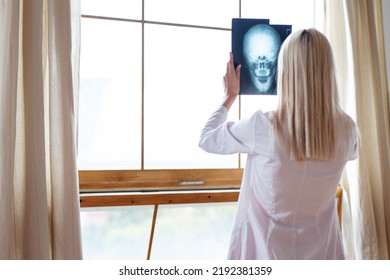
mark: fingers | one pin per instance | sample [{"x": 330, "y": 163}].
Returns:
[
  {"x": 230, "y": 66},
  {"x": 238, "y": 71},
  {"x": 232, "y": 74},
  {"x": 230, "y": 63}
]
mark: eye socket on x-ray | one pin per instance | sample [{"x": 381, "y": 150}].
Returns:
[{"x": 256, "y": 45}]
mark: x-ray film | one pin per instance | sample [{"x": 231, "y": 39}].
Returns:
[{"x": 256, "y": 45}]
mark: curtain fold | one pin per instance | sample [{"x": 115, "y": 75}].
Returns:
[
  {"x": 39, "y": 198},
  {"x": 355, "y": 29},
  {"x": 9, "y": 14}
]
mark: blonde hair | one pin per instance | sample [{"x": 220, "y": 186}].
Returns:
[{"x": 308, "y": 99}]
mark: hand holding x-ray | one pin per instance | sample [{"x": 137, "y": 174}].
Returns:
[{"x": 231, "y": 82}]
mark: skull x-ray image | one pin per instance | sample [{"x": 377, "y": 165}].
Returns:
[{"x": 256, "y": 45}]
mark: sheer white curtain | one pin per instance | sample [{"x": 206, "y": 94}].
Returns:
[
  {"x": 355, "y": 29},
  {"x": 39, "y": 201}
]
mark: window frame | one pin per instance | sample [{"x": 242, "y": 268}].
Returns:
[
  {"x": 154, "y": 187},
  {"x": 104, "y": 183},
  {"x": 117, "y": 187}
]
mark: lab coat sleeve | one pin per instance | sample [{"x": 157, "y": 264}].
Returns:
[{"x": 221, "y": 137}]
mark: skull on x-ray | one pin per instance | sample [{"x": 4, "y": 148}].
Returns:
[{"x": 261, "y": 46}]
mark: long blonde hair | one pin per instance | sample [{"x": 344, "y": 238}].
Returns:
[{"x": 308, "y": 99}]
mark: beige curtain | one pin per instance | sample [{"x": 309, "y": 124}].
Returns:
[
  {"x": 355, "y": 29},
  {"x": 39, "y": 203}
]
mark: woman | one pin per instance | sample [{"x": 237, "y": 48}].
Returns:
[{"x": 296, "y": 154}]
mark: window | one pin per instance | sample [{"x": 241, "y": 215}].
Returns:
[
  {"x": 151, "y": 73},
  {"x": 197, "y": 231}
]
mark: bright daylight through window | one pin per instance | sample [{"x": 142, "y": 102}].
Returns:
[{"x": 151, "y": 73}]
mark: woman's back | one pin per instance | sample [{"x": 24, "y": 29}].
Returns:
[
  {"x": 288, "y": 206},
  {"x": 296, "y": 154}
]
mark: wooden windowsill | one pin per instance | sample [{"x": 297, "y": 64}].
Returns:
[
  {"x": 105, "y": 188},
  {"x": 159, "y": 180},
  {"x": 137, "y": 199}
]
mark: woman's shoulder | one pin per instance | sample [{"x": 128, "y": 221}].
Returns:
[
  {"x": 347, "y": 123},
  {"x": 263, "y": 117},
  {"x": 265, "y": 114},
  {"x": 348, "y": 134}
]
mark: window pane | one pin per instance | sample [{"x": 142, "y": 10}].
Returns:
[
  {"x": 182, "y": 82},
  {"x": 217, "y": 13},
  {"x": 131, "y": 9},
  {"x": 299, "y": 13},
  {"x": 110, "y": 95},
  {"x": 200, "y": 231},
  {"x": 183, "y": 85},
  {"x": 116, "y": 232}
]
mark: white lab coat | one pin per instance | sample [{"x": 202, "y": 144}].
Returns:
[{"x": 286, "y": 209}]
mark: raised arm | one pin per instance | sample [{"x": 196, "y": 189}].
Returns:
[{"x": 221, "y": 137}]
